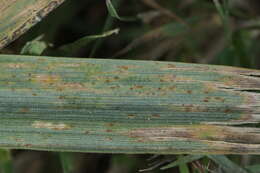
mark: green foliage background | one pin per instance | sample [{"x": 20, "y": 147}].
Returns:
[{"x": 196, "y": 31}]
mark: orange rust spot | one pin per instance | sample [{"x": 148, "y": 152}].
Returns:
[
  {"x": 156, "y": 115},
  {"x": 34, "y": 94},
  {"x": 61, "y": 97},
  {"x": 189, "y": 92},
  {"x": 167, "y": 78},
  {"x": 28, "y": 145},
  {"x": 127, "y": 67},
  {"x": 116, "y": 78},
  {"x": 16, "y": 65},
  {"x": 123, "y": 67},
  {"x": 168, "y": 67},
  {"x": 109, "y": 130},
  {"x": 110, "y": 124},
  {"x": 139, "y": 140},
  {"x": 131, "y": 116},
  {"x": 24, "y": 110},
  {"x": 137, "y": 87},
  {"x": 46, "y": 79},
  {"x": 206, "y": 100},
  {"x": 219, "y": 99},
  {"x": 41, "y": 59},
  {"x": 208, "y": 88},
  {"x": 171, "y": 66},
  {"x": 172, "y": 87},
  {"x": 188, "y": 109},
  {"x": 59, "y": 88},
  {"x": 227, "y": 110}
]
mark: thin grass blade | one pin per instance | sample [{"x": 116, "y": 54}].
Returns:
[
  {"x": 226, "y": 164},
  {"x": 183, "y": 160}
]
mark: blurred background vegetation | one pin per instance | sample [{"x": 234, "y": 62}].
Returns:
[{"x": 223, "y": 32}]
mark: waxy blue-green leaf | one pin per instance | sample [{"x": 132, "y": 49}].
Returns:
[{"x": 124, "y": 106}]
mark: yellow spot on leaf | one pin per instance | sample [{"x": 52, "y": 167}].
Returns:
[
  {"x": 16, "y": 65},
  {"x": 46, "y": 79}
]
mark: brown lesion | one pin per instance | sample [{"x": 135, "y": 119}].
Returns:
[
  {"x": 136, "y": 87},
  {"x": 24, "y": 110},
  {"x": 109, "y": 131},
  {"x": 167, "y": 78},
  {"x": 169, "y": 66},
  {"x": 156, "y": 115},
  {"x": 127, "y": 67},
  {"x": 46, "y": 79},
  {"x": 239, "y": 78},
  {"x": 131, "y": 116},
  {"x": 198, "y": 133}
]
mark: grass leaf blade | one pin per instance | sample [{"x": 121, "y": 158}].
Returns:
[
  {"x": 183, "y": 160},
  {"x": 226, "y": 164}
]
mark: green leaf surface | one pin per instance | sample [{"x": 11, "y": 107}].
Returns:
[
  {"x": 67, "y": 162},
  {"x": 34, "y": 47},
  {"x": 5, "y": 161},
  {"x": 124, "y": 106}
]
